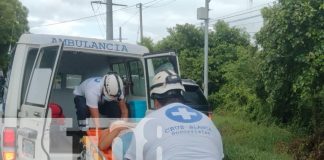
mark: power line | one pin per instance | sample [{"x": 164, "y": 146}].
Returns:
[
  {"x": 150, "y": 2},
  {"x": 130, "y": 18},
  {"x": 165, "y": 4},
  {"x": 242, "y": 12},
  {"x": 239, "y": 13},
  {"x": 67, "y": 21},
  {"x": 100, "y": 29},
  {"x": 248, "y": 10},
  {"x": 226, "y": 17},
  {"x": 157, "y": 1},
  {"x": 82, "y": 18},
  {"x": 128, "y": 7},
  {"x": 249, "y": 23},
  {"x": 245, "y": 18},
  {"x": 102, "y": 21},
  {"x": 89, "y": 17},
  {"x": 237, "y": 20}
]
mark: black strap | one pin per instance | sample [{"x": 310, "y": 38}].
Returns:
[
  {"x": 105, "y": 85},
  {"x": 169, "y": 74},
  {"x": 119, "y": 90},
  {"x": 156, "y": 85}
]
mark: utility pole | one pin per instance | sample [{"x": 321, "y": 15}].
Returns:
[
  {"x": 120, "y": 34},
  {"x": 202, "y": 13},
  {"x": 109, "y": 17},
  {"x": 206, "y": 50},
  {"x": 139, "y": 5},
  {"x": 250, "y": 3},
  {"x": 109, "y": 21}
]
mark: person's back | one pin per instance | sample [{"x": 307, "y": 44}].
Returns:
[
  {"x": 174, "y": 130},
  {"x": 99, "y": 95},
  {"x": 177, "y": 131},
  {"x": 91, "y": 87}
]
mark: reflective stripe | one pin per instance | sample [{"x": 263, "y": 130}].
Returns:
[
  {"x": 84, "y": 128},
  {"x": 83, "y": 122}
]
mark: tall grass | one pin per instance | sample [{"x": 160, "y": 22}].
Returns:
[{"x": 243, "y": 139}]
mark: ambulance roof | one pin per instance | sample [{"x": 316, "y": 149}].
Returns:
[{"x": 81, "y": 43}]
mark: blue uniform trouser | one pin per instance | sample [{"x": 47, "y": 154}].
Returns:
[
  {"x": 82, "y": 111},
  {"x": 109, "y": 109}
]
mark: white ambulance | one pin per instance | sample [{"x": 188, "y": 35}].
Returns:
[{"x": 46, "y": 68}]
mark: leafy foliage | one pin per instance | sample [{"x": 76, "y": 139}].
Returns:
[
  {"x": 188, "y": 41},
  {"x": 279, "y": 81},
  {"x": 292, "y": 41},
  {"x": 13, "y": 18},
  {"x": 148, "y": 42},
  {"x": 181, "y": 37}
]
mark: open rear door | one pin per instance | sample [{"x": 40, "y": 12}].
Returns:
[
  {"x": 33, "y": 141},
  {"x": 156, "y": 62}
]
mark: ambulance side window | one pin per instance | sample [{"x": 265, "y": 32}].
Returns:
[
  {"x": 31, "y": 56},
  {"x": 120, "y": 69},
  {"x": 73, "y": 80},
  {"x": 57, "y": 83},
  {"x": 137, "y": 78}
]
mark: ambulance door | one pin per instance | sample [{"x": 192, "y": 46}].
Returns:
[
  {"x": 33, "y": 134},
  {"x": 154, "y": 63}
]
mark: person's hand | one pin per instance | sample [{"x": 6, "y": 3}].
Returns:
[
  {"x": 104, "y": 133},
  {"x": 119, "y": 129}
]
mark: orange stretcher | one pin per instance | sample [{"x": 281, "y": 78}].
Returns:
[{"x": 91, "y": 149}]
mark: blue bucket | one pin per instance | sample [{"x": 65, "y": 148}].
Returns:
[{"x": 137, "y": 108}]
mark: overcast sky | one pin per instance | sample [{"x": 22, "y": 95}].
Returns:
[{"x": 45, "y": 16}]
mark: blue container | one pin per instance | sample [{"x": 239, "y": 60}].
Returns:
[{"x": 137, "y": 108}]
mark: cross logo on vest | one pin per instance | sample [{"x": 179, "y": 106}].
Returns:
[{"x": 183, "y": 114}]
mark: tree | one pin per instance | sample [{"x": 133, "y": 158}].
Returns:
[
  {"x": 181, "y": 37},
  {"x": 239, "y": 93},
  {"x": 191, "y": 64},
  {"x": 148, "y": 42},
  {"x": 290, "y": 36},
  {"x": 292, "y": 72},
  {"x": 13, "y": 18},
  {"x": 225, "y": 43},
  {"x": 188, "y": 41}
]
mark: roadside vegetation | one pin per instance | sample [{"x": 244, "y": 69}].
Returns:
[
  {"x": 245, "y": 140},
  {"x": 276, "y": 82},
  {"x": 13, "y": 18}
]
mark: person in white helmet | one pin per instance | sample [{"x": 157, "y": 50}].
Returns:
[
  {"x": 100, "y": 95},
  {"x": 174, "y": 130}
]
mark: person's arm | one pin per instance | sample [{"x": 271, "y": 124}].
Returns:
[
  {"x": 108, "y": 137},
  {"x": 131, "y": 151},
  {"x": 123, "y": 109},
  {"x": 94, "y": 112}
]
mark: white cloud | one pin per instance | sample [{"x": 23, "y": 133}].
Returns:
[
  {"x": 157, "y": 18},
  {"x": 33, "y": 19},
  {"x": 67, "y": 29}
]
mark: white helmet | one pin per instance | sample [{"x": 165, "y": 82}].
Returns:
[
  {"x": 166, "y": 82},
  {"x": 112, "y": 86}
]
